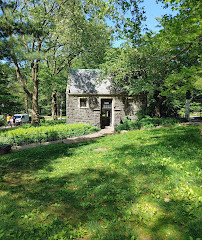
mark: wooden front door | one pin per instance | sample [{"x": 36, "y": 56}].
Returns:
[{"x": 106, "y": 112}]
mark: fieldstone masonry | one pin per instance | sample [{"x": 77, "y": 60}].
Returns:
[
  {"x": 121, "y": 107},
  {"x": 86, "y": 84}
]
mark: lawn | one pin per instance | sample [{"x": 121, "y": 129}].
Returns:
[{"x": 143, "y": 184}]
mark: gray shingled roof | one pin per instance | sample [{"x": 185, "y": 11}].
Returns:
[{"x": 88, "y": 81}]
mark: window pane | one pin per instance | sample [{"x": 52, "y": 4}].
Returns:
[
  {"x": 106, "y": 105},
  {"x": 83, "y": 102}
]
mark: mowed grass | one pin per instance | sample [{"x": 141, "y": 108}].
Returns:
[{"x": 137, "y": 185}]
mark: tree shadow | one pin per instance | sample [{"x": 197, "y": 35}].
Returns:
[
  {"x": 160, "y": 166},
  {"x": 90, "y": 196},
  {"x": 107, "y": 202},
  {"x": 39, "y": 157}
]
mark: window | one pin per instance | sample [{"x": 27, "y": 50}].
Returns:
[
  {"x": 107, "y": 104},
  {"x": 83, "y": 103}
]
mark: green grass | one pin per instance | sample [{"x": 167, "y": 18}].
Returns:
[{"x": 136, "y": 185}]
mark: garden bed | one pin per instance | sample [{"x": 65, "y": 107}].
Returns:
[{"x": 28, "y": 134}]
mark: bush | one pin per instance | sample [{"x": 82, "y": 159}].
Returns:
[
  {"x": 42, "y": 120},
  {"x": 2, "y": 122},
  {"x": 52, "y": 123},
  {"x": 28, "y": 134},
  {"x": 44, "y": 123},
  {"x": 146, "y": 122}
]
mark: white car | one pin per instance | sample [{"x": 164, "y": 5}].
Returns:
[{"x": 21, "y": 118}]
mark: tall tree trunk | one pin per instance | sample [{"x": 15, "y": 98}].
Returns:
[
  {"x": 61, "y": 105},
  {"x": 26, "y": 104},
  {"x": 54, "y": 92},
  {"x": 35, "y": 106},
  {"x": 159, "y": 100},
  {"x": 54, "y": 105},
  {"x": 58, "y": 109},
  {"x": 35, "y": 95},
  {"x": 26, "y": 100},
  {"x": 32, "y": 95},
  {"x": 68, "y": 90},
  {"x": 187, "y": 105}
]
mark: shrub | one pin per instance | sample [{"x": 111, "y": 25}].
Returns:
[
  {"x": 146, "y": 122},
  {"x": 2, "y": 122},
  {"x": 52, "y": 123},
  {"x": 28, "y": 134},
  {"x": 42, "y": 120}
]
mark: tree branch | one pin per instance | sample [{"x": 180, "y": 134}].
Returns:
[
  {"x": 47, "y": 62},
  {"x": 2, "y": 9},
  {"x": 25, "y": 44},
  {"x": 54, "y": 46},
  {"x": 54, "y": 63},
  {"x": 182, "y": 51},
  {"x": 65, "y": 61},
  {"x": 20, "y": 80},
  {"x": 61, "y": 66},
  {"x": 33, "y": 43}
]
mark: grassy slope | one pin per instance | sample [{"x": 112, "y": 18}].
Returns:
[{"x": 146, "y": 185}]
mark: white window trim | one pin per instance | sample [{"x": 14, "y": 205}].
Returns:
[{"x": 87, "y": 102}]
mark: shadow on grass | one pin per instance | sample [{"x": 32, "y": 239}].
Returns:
[
  {"x": 98, "y": 199},
  {"x": 37, "y": 158},
  {"x": 93, "y": 196},
  {"x": 135, "y": 197},
  {"x": 166, "y": 165},
  {"x": 180, "y": 144}
]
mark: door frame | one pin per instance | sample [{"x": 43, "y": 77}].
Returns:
[{"x": 112, "y": 109}]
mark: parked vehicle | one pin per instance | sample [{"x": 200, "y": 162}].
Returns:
[{"x": 21, "y": 118}]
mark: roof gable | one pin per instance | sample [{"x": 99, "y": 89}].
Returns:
[{"x": 89, "y": 81}]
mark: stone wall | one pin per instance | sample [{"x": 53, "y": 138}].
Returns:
[
  {"x": 90, "y": 115},
  {"x": 124, "y": 106},
  {"x": 121, "y": 107}
]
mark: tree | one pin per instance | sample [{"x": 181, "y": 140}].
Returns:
[
  {"x": 138, "y": 70},
  {"x": 9, "y": 99},
  {"x": 54, "y": 32},
  {"x": 46, "y": 90},
  {"x": 96, "y": 13},
  {"x": 85, "y": 37},
  {"x": 182, "y": 34},
  {"x": 26, "y": 33},
  {"x": 150, "y": 64}
]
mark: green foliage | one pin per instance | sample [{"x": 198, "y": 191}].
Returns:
[
  {"x": 52, "y": 123},
  {"x": 42, "y": 38},
  {"x": 146, "y": 122},
  {"x": 163, "y": 65},
  {"x": 181, "y": 35},
  {"x": 196, "y": 107},
  {"x": 146, "y": 184},
  {"x": 46, "y": 132},
  {"x": 9, "y": 92},
  {"x": 2, "y": 122},
  {"x": 188, "y": 79}
]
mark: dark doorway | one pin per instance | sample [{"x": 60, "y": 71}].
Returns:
[{"x": 106, "y": 112}]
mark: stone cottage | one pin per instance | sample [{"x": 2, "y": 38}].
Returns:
[{"x": 97, "y": 101}]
